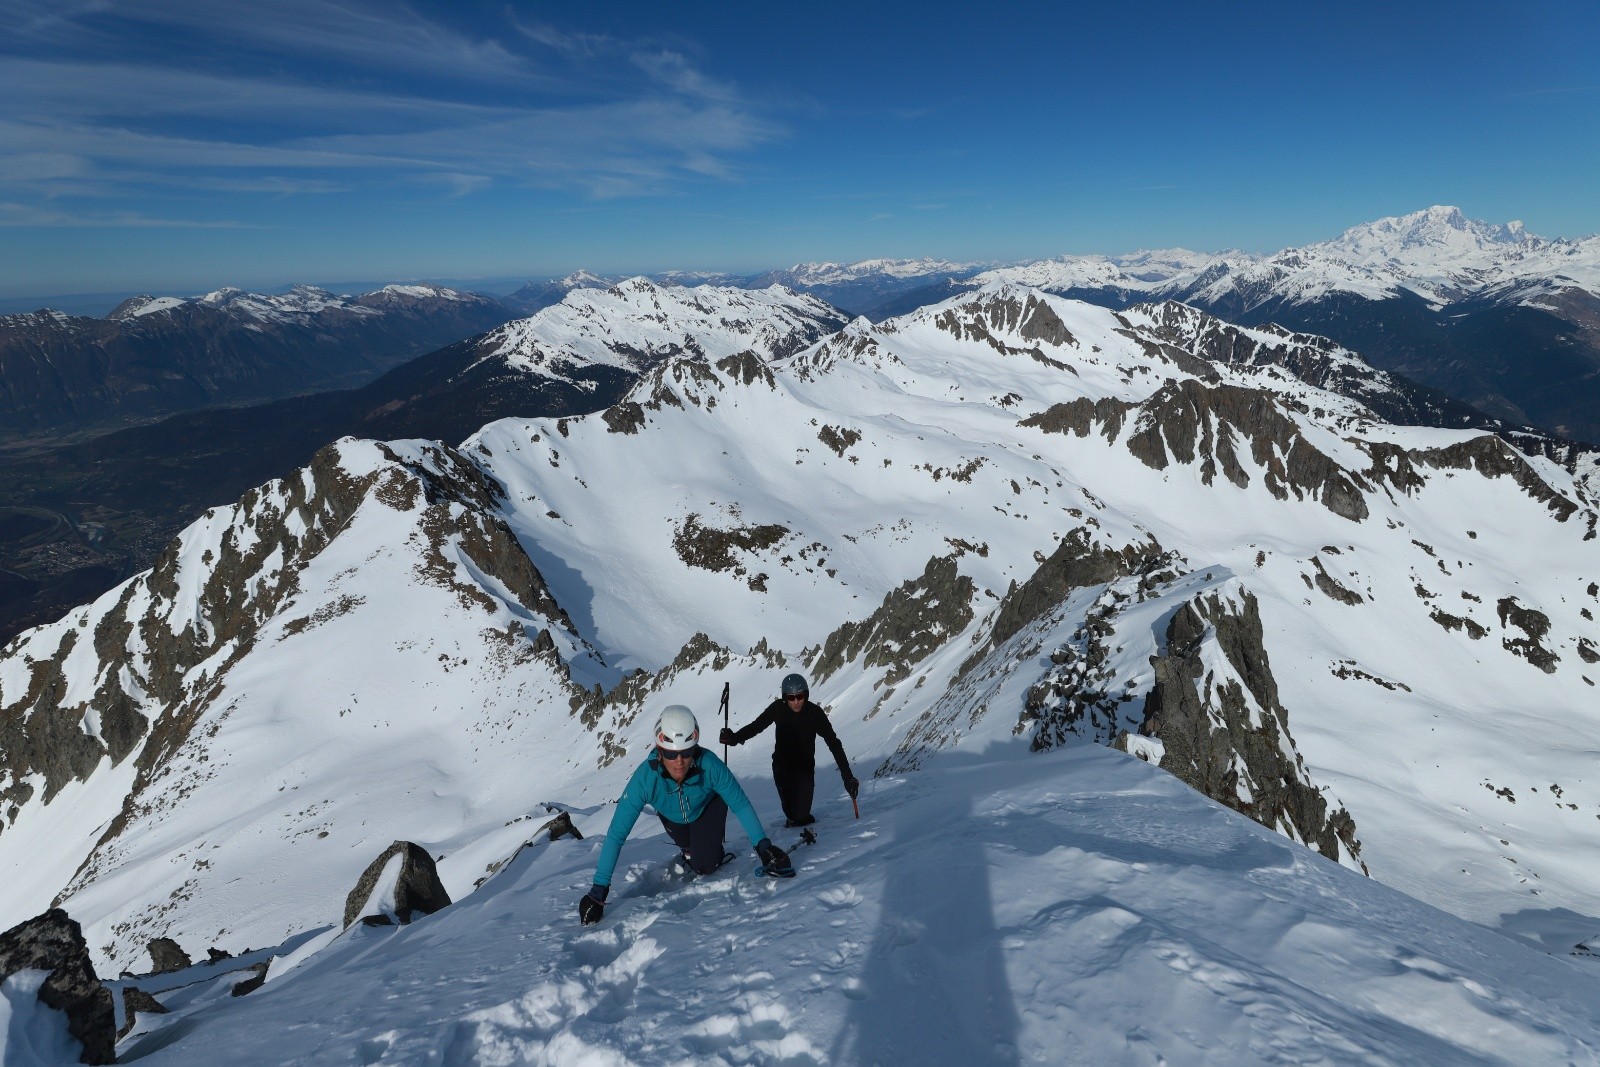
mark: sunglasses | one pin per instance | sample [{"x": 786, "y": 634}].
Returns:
[
  {"x": 674, "y": 757},
  {"x": 798, "y": 696}
]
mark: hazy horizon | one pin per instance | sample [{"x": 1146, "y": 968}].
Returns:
[{"x": 179, "y": 146}]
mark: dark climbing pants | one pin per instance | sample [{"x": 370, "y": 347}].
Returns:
[
  {"x": 795, "y": 786},
  {"x": 701, "y": 840}
]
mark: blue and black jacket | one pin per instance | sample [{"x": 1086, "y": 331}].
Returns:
[{"x": 652, "y": 785}]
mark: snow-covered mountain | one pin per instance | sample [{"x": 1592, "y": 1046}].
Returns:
[
  {"x": 852, "y": 287},
  {"x": 1490, "y": 314},
  {"x": 636, "y": 324},
  {"x": 157, "y": 355},
  {"x": 1438, "y": 254},
  {"x": 990, "y": 531},
  {"x": 858, "y": 287},
  {"x": 535, "y": 296},
  {"x": 143, "y": 484}
]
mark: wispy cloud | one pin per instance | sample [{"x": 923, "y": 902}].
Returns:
[
  {"x": 13, "y": 214},
  {"x": 113, "y": 99}
]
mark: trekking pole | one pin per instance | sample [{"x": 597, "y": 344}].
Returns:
[{"x": 725, "y": 718}]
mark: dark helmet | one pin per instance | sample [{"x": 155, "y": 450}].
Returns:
[{"x": 795, "y": 685}]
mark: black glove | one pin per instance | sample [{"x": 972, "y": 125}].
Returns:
[
  {"x": 774, "y": 860},
  {"x": 593, "y": 904},
  {"x": 726, "y": 737},
  {"x": 851, "y": 786}
]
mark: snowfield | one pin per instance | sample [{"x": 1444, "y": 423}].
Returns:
[
  {"x": 998, "y": 534},
  {"x": 997, "y": 908}
]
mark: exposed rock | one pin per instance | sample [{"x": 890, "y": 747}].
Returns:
[
  {"x": 1535, "y": 625},
  {"x": 746, "y": 368},
  {"x": 400, "y": 883},
  {"x": 257, "y": 979},
  {"x": 913, "y": 621},
  {"x": 561, "y": 826},
  {"x": 1227, "y": 735},
  {"x": 1331, "y": 587},
  {"x": 712, "y": 549},
  {"x": 1191, "y": 422},
  {"x": 554, "y": 830},
  {"x": 217, "y": 955},
  {"x": 1076, "y": 562},
  {"x": 135, "y": 1000},
  {"x": 624, "y": 417},
  {"x": 839, "y": 440},
  {"x": 1458, "y": 622},
  {"x": 166, "y": 956},
  {"x": 54, "y": 943}
]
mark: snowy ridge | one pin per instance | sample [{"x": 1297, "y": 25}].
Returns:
[
  {"x": 298, "y": 306},
  {"x": 837, "y": 273},
  {"x": 637, "y": 323},
  {"x": 976, "y": 527},
  {"x": 1105, "y": 908}
]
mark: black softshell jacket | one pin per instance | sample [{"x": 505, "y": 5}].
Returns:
[{"x": 797, "y": 735}]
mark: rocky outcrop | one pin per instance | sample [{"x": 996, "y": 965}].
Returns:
[
  {"x": 149, "y": 639},
  {"x": 53, "y": 943},
  {"x": 1017, "y": 314},
  {"x": 257, "y": 979},
  {"x": 1215, "y": 709},
  {"x": 553, "y": 830},
  {"x": 1077, "y": 561},
  {"x": 397, "y": 886},
  {"x": 166, "y": 956},
  {"x": 1210, "y": 426},
  {"x": 1535, "y": 627},
  {"x": 1080, "y": 694},
  {"x": 1487, "y": 455},
  {"x": 134, "y": 1001},
  {"x": 914, "y": 620}
]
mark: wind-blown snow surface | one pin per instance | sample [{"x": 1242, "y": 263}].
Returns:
[
  {"x": 1005, "y": 908},
  {"x": 361, "y": 654}
]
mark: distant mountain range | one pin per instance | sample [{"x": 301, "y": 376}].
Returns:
[
  {"x": 1493, "y": 327},
  {"x": 155, "y": 356}
]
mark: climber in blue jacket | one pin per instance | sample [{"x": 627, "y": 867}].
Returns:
[{"x": 692, "y": 791}]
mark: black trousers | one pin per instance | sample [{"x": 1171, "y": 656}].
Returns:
[
  {"x": 701, "y": 840},
  {"x": 795, "y": 786}
]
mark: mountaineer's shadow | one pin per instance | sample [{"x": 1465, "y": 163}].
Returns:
[{"x": 933, "y": 986}]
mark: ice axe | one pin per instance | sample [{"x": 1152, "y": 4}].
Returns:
[{"x": 725, "y": 719}]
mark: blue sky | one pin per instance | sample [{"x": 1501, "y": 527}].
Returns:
[{"x": 184, "y": 145}]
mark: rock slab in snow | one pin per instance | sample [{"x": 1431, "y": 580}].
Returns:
[
  {"x": 54, "y": 943},
  {"x": 400, "y": 883}
]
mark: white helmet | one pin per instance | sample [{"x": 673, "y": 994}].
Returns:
[{"x": 676, "y": 730}]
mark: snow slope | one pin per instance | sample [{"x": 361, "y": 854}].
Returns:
[{"x": 995, "y": 908}]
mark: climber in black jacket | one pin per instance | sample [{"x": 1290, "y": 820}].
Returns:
[{"x": 794, "y": 754}]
